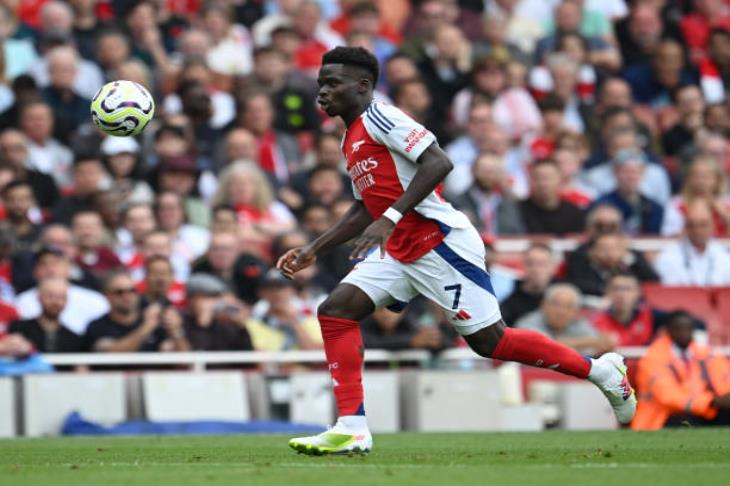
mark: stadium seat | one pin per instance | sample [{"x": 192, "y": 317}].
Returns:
[
  {"x": 7, "y": 408},
  {"x": 698, "y": 301}
]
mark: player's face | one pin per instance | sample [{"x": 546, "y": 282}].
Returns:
[{"x": 338, "y": 90}]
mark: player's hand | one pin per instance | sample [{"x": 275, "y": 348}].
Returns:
[
  {"x": 376, "y": 234},
  {"x": 296, "y": 259}
]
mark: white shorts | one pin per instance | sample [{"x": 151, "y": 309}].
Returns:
[{"x": 453, "y": 275}]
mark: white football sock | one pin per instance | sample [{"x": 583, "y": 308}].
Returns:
[
  {"x": 355, "y": 423},
  {"x": 600, "y": 371}
]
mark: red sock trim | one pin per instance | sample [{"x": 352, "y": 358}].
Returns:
[{"x": 535, "y": 349}]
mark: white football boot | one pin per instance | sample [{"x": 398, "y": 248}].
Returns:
[
  {"x": 339, "y": 439},
  {"x": 609, "y": 374}
]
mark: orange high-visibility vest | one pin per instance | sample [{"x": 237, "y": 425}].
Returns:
[{"x": 669, "y": 385}]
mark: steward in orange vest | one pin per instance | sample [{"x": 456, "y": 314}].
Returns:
[{"x": 679, "y": 380}]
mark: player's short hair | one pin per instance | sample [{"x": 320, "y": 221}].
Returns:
[{"x": 354, "y": 56}]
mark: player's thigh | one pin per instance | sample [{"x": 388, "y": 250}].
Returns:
[
  {"x": 383, "y": 280},
  {"x": 454, "y": 276},
  {"x": 347, "y": 302}
]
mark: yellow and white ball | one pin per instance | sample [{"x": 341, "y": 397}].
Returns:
[{"x": 122, "y": 108}]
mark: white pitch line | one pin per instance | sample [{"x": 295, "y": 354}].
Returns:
[{"x": 348, "y": 465}]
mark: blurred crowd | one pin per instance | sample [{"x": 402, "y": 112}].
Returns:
[{"x": 598, "y": 120}]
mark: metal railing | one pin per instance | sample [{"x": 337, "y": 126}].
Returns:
[{"x": 199, "y": 361}]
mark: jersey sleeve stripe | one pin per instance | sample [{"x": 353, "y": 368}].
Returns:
[
  {"x": 376, "y": 123},
  {"x": 382, "y": 117}
]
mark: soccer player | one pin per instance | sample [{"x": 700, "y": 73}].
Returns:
[{"x": 413, "y": 242}]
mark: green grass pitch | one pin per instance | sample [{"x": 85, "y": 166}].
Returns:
[{"x": 688, "y": 457}]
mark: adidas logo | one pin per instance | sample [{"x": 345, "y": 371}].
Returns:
[{"x": 462, "y": 315}]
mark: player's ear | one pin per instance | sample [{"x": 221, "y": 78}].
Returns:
[{"x": 364, "y": 85}]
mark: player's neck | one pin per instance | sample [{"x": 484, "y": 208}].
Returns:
[{"x": 350, "y": 117}]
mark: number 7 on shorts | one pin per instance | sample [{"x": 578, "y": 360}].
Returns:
[{"x": 457, "y": 294}]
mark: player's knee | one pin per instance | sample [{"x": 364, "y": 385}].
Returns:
[
  {"x": 485, "y": 341},
  {"x": 333, "y": 307}
]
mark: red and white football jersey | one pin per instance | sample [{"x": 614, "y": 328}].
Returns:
[{"x": 381, "y": 148}]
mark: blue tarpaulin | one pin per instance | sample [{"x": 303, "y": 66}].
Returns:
[{"x": 76, "y": 425}]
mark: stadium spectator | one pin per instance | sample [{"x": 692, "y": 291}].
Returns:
[
  {"x": 217, "y": 321},
  {"x": 189, "y": 241},
  {"x": 385, "y": 329},
  {"x": 14, "y": 152},
  {"x": 131, "y": 327},
  {"x": 222, "y": 105},
  {"x": 179, "y": 173},
  {"x": 639, "y": 34},
  {"x": 240, "y": 271},
  {"x": 327, "y": 153},
  {"x": 570, "y": 152},
  {"x": 45, "y": 153},
  {"x": 680, "y": 381},
  {"x": 261, "y": 217},
  {"x": 704, "y": 181},
  {"x": 22, "y": 218},
  {"x": 83, "y": 76},
  {"x": 93, "y": 255},
  {"x": 8, "y": 314},
  {"x": 690, "y": 111},
  {"x": 123, "y": 163},
  {"x": 696, "y": 259},
  {"x": 277, "y": 323},
  {"x": 111, "y": 51},
  {"x": 697, "y": 24},
  {"x": 239, "y": 144},
  {"x": 70, "y": 110},
  {"x": 652, "y": 82},
  {"x": 628, "y": 320},
  {"x": 48, "y": 332},
  {"x": 445, "y": 70},
  {"x": 464, "y": 150},
  {"x": 655, "y": 182},
  {"x": 88, "y": 179},
  {"x": 641, "y": 214},
  {"x": 608, "y": 253},
  {"x": 231, "y": 44},
  {"x": 544, "y": 212},
  {"x": 278, "y": 152},
  {"x": 514, "y": 109},
  {"x": 489, "y": 202},
  {"x": 713, "y": 69},
  {"x": 293, "y": 93},
  {"x": 522, "y": 29},
  {"x": 159, "y": 284},
  {"x": 559, "y": 318},
  {"x": 137, "y": 222},
  {"x": 83, "y": 305},
  {"x": 540, "y": 266},
  {"x": 414, "y": 98}
]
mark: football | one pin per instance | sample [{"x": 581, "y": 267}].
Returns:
[{"x": 122, "y": 108}]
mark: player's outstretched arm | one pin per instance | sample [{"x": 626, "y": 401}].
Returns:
[
  {"x": 352, "y": 223},
  {"x": 433, "y": 167}
]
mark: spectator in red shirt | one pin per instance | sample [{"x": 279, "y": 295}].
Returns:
[
  {"x": 628, "y": 320},
  {"x": 696, "y": 26},
  {"x": 159, "y": 284},
  {"x": 308, "y": 56},
  {"x": 8, "y": 314}
]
